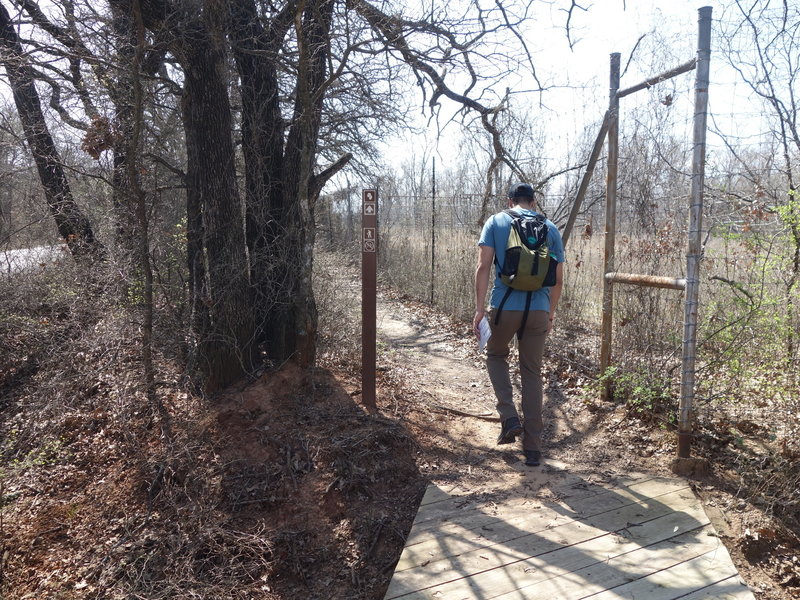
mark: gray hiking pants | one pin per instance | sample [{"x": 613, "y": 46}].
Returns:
[{"x": 531, "y": 350}]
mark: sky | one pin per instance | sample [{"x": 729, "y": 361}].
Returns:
[
  {"x": 615, "y": 26},
  {"x": 579, "y": 74}
]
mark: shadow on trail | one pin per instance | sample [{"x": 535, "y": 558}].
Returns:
[
  {"x": 564, "y": 428},
  {"x": 407, "y": 332},
  {"x": 450, "y": 374}
]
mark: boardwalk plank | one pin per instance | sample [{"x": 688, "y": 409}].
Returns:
[
  {"x": 556, "y": 483},
  {"x": 476, "y": 532},
  {"x": 617, "y": 570},
  {"x": 442, "y": 519},
  {"x": 674, "y": 582},
  {"x": 680, "y": 514},
  {"x": 530, "y": 481},
  {"x": 434, "y": 493},
  {"x": 732, "y": 588}
]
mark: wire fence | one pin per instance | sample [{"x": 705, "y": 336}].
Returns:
[{"x": 428, "y": 251}]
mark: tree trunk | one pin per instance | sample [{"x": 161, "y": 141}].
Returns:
[
  {"x": 140, "y": 203},
  {"x": 255, "y": 51},
  {"x": 291, "y": 331},
  {"x": 280, "y": 184},
  {"x": 72, "y": 224},
  {"x": 222, "y": 303},
  {"x": 5, "y": 194},
  {"x": 121, "y": 93},
  {"x": 281, "y": 189}
]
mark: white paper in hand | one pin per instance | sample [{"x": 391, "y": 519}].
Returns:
[{"x": 485, "y": 333}]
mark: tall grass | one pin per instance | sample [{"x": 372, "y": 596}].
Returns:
[{"x": 405, "y": 264}]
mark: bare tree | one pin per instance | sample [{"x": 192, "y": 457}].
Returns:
[
  {"x": 72, "y": 224},
  {"x": 294, "y": 91},
  {"x": 762, "y": 44}
]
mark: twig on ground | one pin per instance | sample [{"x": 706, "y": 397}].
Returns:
[{"x": 462, "y": 413}]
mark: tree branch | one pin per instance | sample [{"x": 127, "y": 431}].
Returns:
[
  {"x": 79, "y": 51},
  {"x": 392, "y": 30},
  {"x": 318, "y": 181},
  {"x": 569, "y": 11}
]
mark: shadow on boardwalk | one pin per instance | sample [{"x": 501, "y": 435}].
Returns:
[
  {"x": 556, "y": 535},
  {"x": 516, "y": 533}
]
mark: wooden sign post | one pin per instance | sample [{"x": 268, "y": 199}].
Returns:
[{"x": 369, "y": 278}]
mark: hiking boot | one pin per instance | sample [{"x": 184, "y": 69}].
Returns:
[
  {"x": 509, "y": 431},
  {"x": 533, "y": 458}
]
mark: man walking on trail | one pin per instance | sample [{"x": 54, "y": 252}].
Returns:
[{"x": 528, "y": 314}]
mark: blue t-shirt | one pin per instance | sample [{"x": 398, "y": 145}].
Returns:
[{"x": 495, "y": 235}]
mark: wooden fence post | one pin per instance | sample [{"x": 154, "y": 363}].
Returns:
[{"x": 611, "y": 223}]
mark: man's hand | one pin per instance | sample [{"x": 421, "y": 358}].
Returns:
[
  {"x": 482, "y": 272},
  {"x": 476, "y": 320}
]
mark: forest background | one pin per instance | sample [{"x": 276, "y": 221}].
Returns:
[{"x": 179, "y": 164}]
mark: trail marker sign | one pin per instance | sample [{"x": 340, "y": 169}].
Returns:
[{"x": 369, "y": 278}]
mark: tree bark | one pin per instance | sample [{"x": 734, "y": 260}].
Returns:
[
  {"x": 314, "y": 36},
  {"x": 291, "y": 330},
  {"x": 222, "y": 303},
  {"x": 281, "y": 187},
  {"x": 120, "y": 90},
  {"x": 255, "y": 50},
  {"x": 72, "y": 223},
  {"x": 222, "y": 322}
]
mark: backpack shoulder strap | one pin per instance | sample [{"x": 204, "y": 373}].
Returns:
[{"x": 511, "y": 214}]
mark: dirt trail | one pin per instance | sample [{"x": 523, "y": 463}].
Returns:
[
  {"x": 442, "y": 361},
  {"x": 446, "y": 362},
  {"x": 439, "y": 359}
]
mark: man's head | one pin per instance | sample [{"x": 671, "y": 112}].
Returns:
[{"x": 520, "y": 193}]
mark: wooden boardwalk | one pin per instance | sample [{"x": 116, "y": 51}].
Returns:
[{"x": 548, "y": 534}]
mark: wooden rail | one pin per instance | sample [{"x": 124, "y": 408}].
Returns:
[{"x": 647, "y": 280}]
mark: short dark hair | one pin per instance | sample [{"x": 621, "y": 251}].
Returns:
[{"x": 520, "y": 190}]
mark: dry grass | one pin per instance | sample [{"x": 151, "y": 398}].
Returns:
[
  {"x": 337, "y": 290},
  {"x": 282, "y": 488}
]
